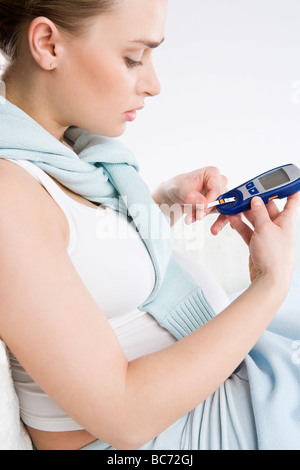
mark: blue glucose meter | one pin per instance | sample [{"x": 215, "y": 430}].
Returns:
[{"x": 278, "y": 183}]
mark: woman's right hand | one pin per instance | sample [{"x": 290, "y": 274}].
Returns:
[{"x": 271, "y": 240}]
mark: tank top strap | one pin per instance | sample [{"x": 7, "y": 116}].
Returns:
[
  {"x": 42, "y": 177},
  {"x": 58, "y": 195}
]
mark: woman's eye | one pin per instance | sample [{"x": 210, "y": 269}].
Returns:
[{"x": 133, "y": 63}]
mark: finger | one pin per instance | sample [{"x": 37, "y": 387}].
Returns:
[
  {"x": 272, "y": 209},
  {"x": 194, "y": 213},
  {"x": 259, "y": 213},
  {"x": 194, "y": 206},
  {"x": 212, "y": 196},
  {"x": 290, "y": 211},
  {"x": 215, "y": 185},
  {"x": 219, "y": 224},
  {"x": 193, "y": 217},
  {"x": 242, "y": 228},
  {"x": 194, "y": 198},
  {"x": 292, "y": 204}
]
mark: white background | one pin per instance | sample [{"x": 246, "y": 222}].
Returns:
[{"x": 230, "y": 76}]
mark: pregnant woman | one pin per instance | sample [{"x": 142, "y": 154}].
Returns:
[{"x": 113, "y": 343}]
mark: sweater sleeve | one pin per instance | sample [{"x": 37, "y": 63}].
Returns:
[{"x": 180, "y": 306}]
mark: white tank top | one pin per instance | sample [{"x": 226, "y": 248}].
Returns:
[{"x": 114, "y": 264}]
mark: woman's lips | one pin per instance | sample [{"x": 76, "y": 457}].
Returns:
[{"x": 131, "y": 115}]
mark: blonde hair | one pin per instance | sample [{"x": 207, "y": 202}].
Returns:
[{"x": 70, "y": 16}]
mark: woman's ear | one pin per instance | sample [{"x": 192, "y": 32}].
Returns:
[{"x": 44, "y": 42}]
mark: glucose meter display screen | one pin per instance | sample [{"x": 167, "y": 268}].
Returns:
[{"x": 274, "y": 179}]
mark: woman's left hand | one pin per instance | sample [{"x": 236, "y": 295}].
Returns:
[{"x": 192, "y": 192}]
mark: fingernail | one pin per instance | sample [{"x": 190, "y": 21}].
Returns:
[
  {"x": 200, "y": 215},
  {"x": 200, "y": 206},
  {"x": 257, "y": 201}
]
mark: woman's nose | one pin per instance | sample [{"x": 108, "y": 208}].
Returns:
[{"x": 148, "y": 83}]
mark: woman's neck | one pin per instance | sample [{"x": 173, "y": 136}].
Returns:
[{"x": 34, "y": 102}]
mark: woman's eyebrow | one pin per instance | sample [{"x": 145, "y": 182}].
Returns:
[{"x": 148, "y": 43}]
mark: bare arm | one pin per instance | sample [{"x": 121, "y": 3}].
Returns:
[{"x": 53, "y": 326}]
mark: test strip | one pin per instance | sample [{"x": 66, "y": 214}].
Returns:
[{"x": 221, "y": 201}]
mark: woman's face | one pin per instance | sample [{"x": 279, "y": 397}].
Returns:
[{"x": 108, "y": 73}]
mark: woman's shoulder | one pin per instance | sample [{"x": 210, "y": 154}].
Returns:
[
  {"x": 24, "y": 200},
  {"x": 18, "y": 189}
]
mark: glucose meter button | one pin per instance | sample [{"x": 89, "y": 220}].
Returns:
[
  {"x": 250, "y": 185},
  {"x": 253, "y": 191}
]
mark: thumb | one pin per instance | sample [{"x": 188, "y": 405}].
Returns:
[{"x": 259, "y": 211}]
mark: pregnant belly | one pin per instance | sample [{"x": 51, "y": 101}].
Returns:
[{"x": 139, "y": 334}]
